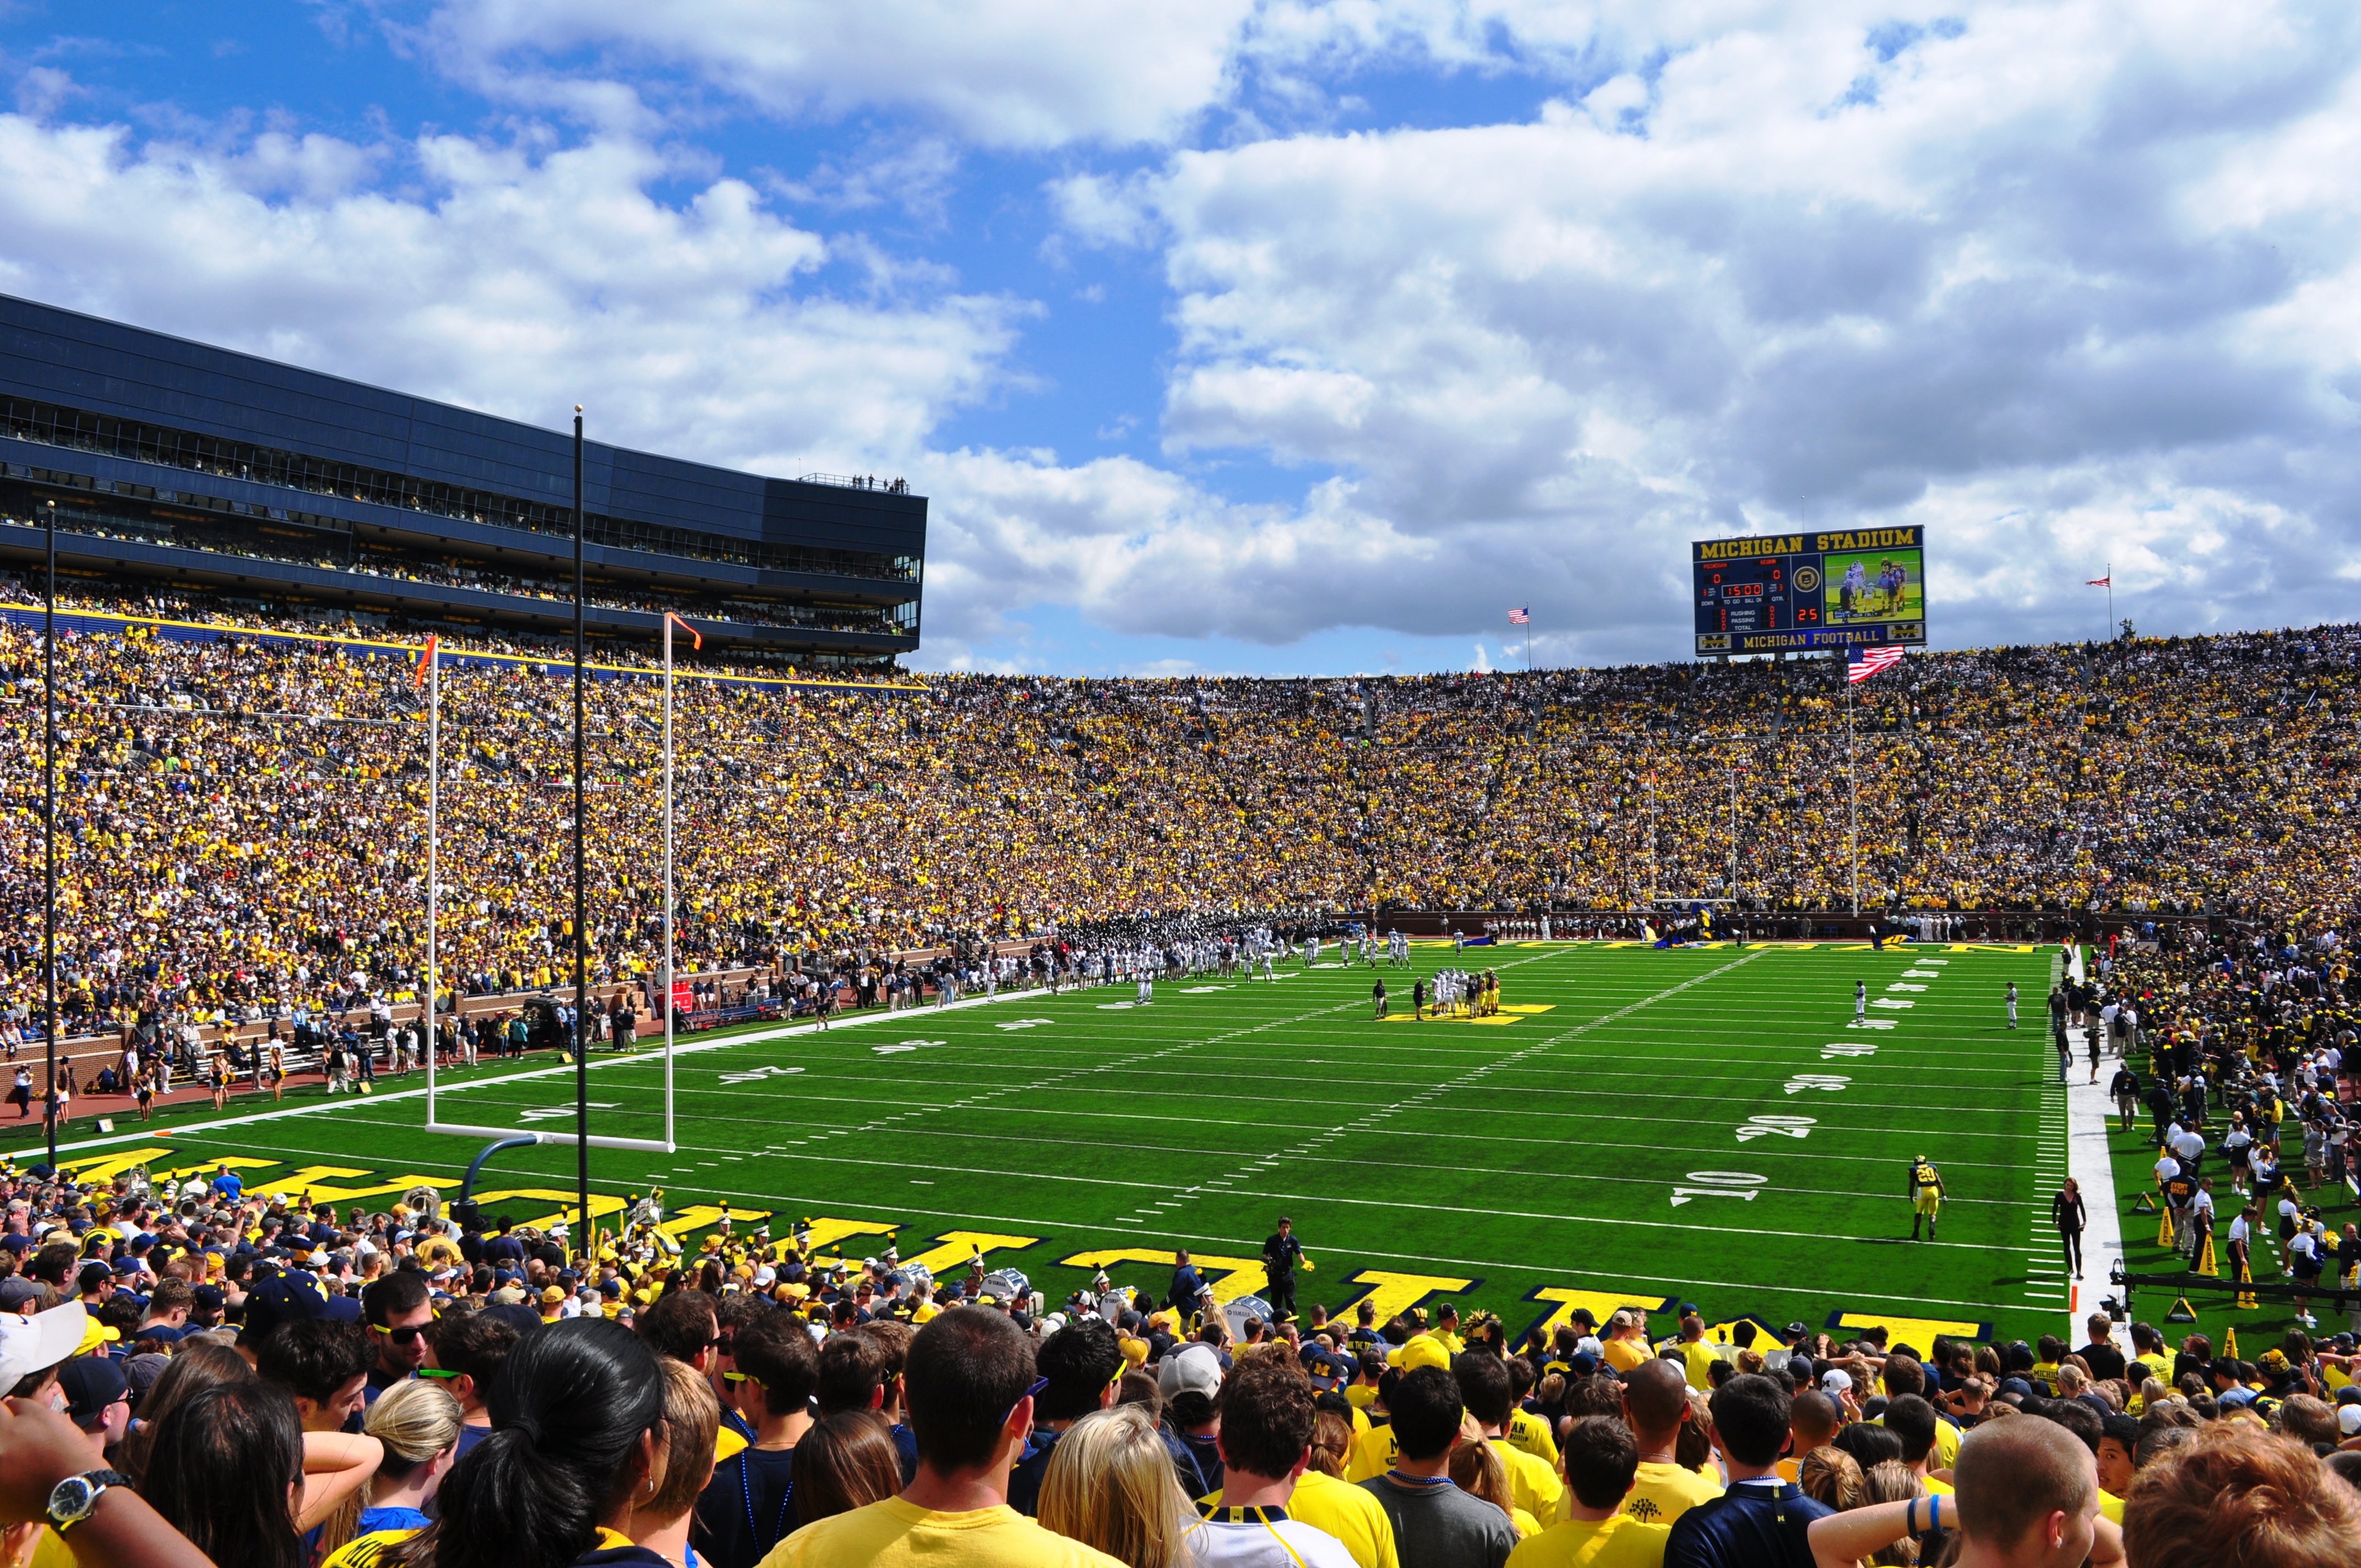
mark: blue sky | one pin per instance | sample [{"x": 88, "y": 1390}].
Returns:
[{"x": 1293, "y": 337}]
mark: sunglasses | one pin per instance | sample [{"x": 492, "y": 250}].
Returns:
[
  {"x": 399, "y": 1336},
  {"x": 436, "y": 1371},
  {"x": 1039, "y": 1383}
]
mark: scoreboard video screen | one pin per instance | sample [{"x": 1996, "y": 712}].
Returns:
[{"x": 1784, "y": 593}]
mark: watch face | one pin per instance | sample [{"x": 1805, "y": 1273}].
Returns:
[{"x": 71, "y": 1496}]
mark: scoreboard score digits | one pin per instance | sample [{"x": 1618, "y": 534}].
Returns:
[{"x": 1780, "y": 593}]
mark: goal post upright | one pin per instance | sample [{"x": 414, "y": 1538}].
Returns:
[{"x": 582, "y": 1139}]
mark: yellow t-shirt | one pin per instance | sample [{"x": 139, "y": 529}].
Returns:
[
  {"x": 1695, "y": 1356},
  {"x": 895, "y": 1534},
  {"x": 1360, "y": 1396},
  {"x": 1619, "y": 1543},
  {"x": 1662, "y": 1492},
  {"x": 1623, "y": 1354},
  {"x": 363, "y": 1550},
  {"x": 2110, "y": 1506},
  {"x": 1532, "y": 1485},
  {"x": 1351, "y": 1514},
  {"x": 1373, "y": 1454},
  {"x": 1532, "y": 1434}
]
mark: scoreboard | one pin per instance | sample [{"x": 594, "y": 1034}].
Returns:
[{"x": 1784, "y": 593}]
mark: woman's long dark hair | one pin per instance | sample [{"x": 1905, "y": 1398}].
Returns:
[
  {"x": 195, "y": 1369},
  {"x": 223, "y": 1471},
  {"x": 568, "y": 1407}
]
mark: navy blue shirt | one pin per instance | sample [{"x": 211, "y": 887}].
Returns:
[
  {"x": 747, "y": 1508},
  {"x": 1025, "y": 1480},
  {"x": 1756, "y": 1524}
]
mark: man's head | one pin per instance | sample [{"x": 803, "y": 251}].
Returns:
[
  {"x": 98, "y": 1398},
  {"x": 2029, "y": 1490},
  {"x": 2118, "y": 1452},
  {"x": 1082, "y": 1362},
  {"x": 850, "y": 1375},
  {"x": 776, "y": 1354},
  {"x": 1266, "y": 1419},
  {"x": 2204, "y": 1502},
  {"x": 1912, "y": 1420},
  {"x": 969, "y": 1377},
  {"x": 399, "y": 1314},
  {"x": 681, "y": 1324},
  {"x": 1426, "y": 1407},
  {"x": 1751, "y": 1419},
  {"x": 1814, "y": 1417},
  {"x": 1601, "y": 1460},
  {"x": 471, "y": 1346},
  {"x": 323, "y": 1364},
  {"x": 1655, "y": 1397},
  {"x": 1484, "y": 1387}
]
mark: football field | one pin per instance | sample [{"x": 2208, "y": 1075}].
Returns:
[{"x": 1708, "y": 1124}]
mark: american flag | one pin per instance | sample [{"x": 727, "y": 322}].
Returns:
[
  {"x": 1519, "y": 617},
  {"x": 1862, "y": 662},
  {"x": 2105, "y": 582}
]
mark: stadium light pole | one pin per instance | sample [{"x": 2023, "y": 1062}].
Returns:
[
  {"x": 49, "y": 821},
  {"x": 581, "y": 1246}
]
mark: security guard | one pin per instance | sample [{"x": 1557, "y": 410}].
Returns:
[{"x": 1926, "y": 1192}]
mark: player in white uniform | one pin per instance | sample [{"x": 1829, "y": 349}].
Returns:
[
  {"x": 2012, "y": 1004},
  {"x": 1859, "y": 999}
]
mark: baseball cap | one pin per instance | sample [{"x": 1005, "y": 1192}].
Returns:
[
  {"x": 550, "y": 1295},
  {"x": 91, "y": 1382},
  {"x": 1836, "y": 1380},
  {"x": 1423, "y": 1351},
  {"x": 2348, "y": 1419},
  {"x": 279, "y": 1299},
  {"x": 30, "y": 1344},
  {"x": 209, "y": 1299},
  {"x": 1194, "y": 1366},
  {"x": 16, "y": 1291}
]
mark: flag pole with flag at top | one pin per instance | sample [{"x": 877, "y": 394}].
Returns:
[
  {"x": 1524, "y": 618},
  {"x": 1860, "y": 665},
  {"x": 2108, "y": 583}
]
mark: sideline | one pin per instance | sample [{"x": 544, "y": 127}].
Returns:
[
  {"x": 2091, "y": 1164},
  {"x": 651, "y": 1057}
]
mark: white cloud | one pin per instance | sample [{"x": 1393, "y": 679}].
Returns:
[
  {"x": 1018, "y": 73},
  {"x": 518, "y": 279},
  {"x": 2034, "y": 264}
]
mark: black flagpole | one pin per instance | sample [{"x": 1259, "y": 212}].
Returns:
[
  {"x": 581, "y": 897},
  {"x": 49, "y": 821}
]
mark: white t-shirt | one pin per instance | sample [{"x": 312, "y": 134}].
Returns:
[{"x": 1264, "y": 1538}]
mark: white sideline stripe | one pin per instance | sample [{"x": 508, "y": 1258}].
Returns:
[
  {"x": 2087, "y": 1109},
  {"x": 903, "y": 1017}
]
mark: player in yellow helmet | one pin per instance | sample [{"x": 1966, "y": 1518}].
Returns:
[{"x": 1926, "y": 1191}]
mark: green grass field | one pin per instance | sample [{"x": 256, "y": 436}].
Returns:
[{"x": 1703, "y": 1125}]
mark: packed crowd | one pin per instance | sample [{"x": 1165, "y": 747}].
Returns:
[
  {"x": 201, "y": 1373},
  {"x": 240, "y": 819},
  {"x": 2237, "y": 1055}
]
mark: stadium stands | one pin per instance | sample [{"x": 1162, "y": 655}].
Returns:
[{"x": 242, "y": 818}]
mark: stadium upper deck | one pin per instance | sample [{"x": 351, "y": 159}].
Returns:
[{"x": 191, "y": 466}]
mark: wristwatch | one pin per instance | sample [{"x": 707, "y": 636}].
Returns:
[{"x": 72, "y": 1500}]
